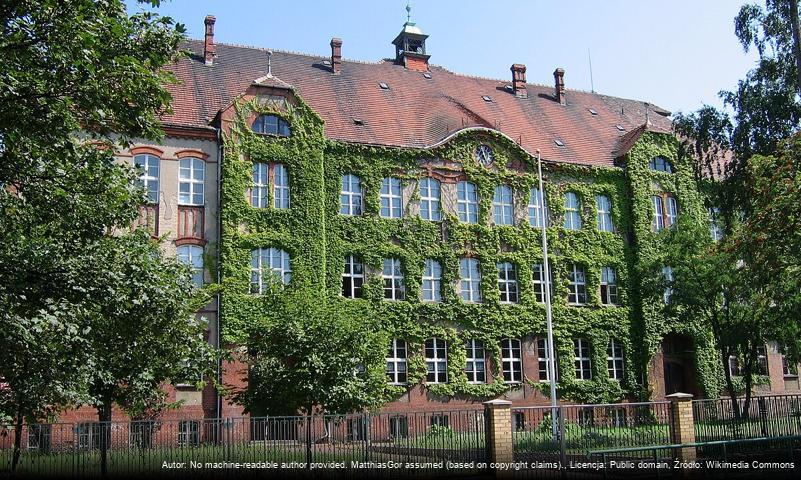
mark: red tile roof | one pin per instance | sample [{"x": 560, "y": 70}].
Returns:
[{"x": 416, "y": 111}]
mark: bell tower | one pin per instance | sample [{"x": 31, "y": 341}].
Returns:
[{"x": 410, "y": 45}]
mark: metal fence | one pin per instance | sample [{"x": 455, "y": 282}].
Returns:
[
  {"x": 766, "y": 416},
  {"x": 411, "y": 443},
  {"x": 581, "y": 428}
]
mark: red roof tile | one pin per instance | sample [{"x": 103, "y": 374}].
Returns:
[{"x": 416, "y": 111}]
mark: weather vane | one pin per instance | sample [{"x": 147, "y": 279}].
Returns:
[{"x": 408, "y": 11}]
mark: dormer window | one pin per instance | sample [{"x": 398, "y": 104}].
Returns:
[
  {"x": 660, "y": 164},
  {"x": 271, "y": 125}
]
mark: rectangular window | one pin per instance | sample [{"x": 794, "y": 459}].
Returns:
[
  {"x": 149, "y": 177},
  {"x": 432, "y": 281},
  {"x": 572, "y": 212},
  {"x": 617, "y": 417},
  {"x": 470, "y": 284},
  {"x": 191, "y": 178},
  {"x": 393, "y": 279},
  {"x": 608, "y": 286},
  {"x": 539, "y": 282},
  {"x": 762, "y": 361},
  {"x": 543, "y": 359},
  {"x": 734, "y": 366},
  {"x": 659, "y": 220},
  {"x": 789, "y": 369},
  {"x": 667, "y": 276},
  {"x": 399, "y": 426},
  {"x": 614, "y": 359},
  {"x": 577, "y": 286},
  {"x": 140, "y": 434},
  {"x": 429, "y": 200},
  {"x": 503, "y": 205},
  {"x": 672, "y": 212},
  {"x": 391, "y": 199},
  {"x": 192, "y": 255},
  {"x": 714, "y": 224},
  {"x": 511, "y": 361},
  {"x": 88, "y": 436},
  {"x": 188, "y": 433},
  {"x": 266, "y": 265},
  {"x": 280, "y": 187},
  {"x": 396, "y": 362},
  {"x": 476, "y": 362},
  {"x": 39, "y": 436},
  {"x": 436, "y": 361},
  {"x": 507, "y": 282},
  {"x": 604, "y": 210},
  {"x": 258, "y": 193},
  {"x": 352, "y": 278},
  {"x": 351, "y": 196},
  {"x": 581, "y": 349},
  {"x": 586, "y": 417},
  {"x": 467, "y": 202},
  {"x": 440, "y": 420},
  {"x": 536, "y": 212}
]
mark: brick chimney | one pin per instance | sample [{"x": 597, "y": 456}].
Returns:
[
  {"x": 519, "y": 80},
  {"x": 336, "y": 55},
  {"x": 208, "y": 45},
  {"x": 559, "y": 85}
]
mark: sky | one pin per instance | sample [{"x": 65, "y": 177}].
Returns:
[{"x": 677, "y": 54}]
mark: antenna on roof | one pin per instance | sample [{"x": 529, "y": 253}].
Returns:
[
  {"x": 408, "y": 11},
  {"x": 269, "y": 63},
  {"x": 592, "y": 84}
]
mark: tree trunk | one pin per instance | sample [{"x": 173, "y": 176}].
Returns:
[
  {"x": 17, "y": 441},
  {"x": 735, "y": 407},
  {"x": 794, "y": 22},
  {"x": 309, "y": 437},
  {"x": 104, "y": 415}
]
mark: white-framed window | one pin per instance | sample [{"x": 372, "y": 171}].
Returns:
[
  {"x": 39, "y": 435},
  {"x": 476, "y": 365},
  {"x": 604, "y": 209},
  {"x": 572, "y": 211},
  {"x": 659, "y": 212},
  {"x": 667, "y": 276},
  {"x": 396, "y": 362},
  {"x": 430, "y": 200},
  {"x": 436, "y": 356},
  {"x": 538, "y": 282},
  {"x": 581, "y": 350},
  {"x": 503, "y": 205},
  {"x": 391, "y": 198},
  {"x": 608, "y": 286},
  {"x": 266, "y": 264},
  {"x": 762, "y": 361},
  {"x": 261, "y": 184},
  {"x": 537, "y": 212},
  {"x": 272, "y": 125},
  {"x": 614, "y": 359},
  {"x": 88, "y": 435},
  {"x": 191, "y": 180},
  {"x": 672, "y": 211},
  {"x": 192, "y": 255},
  {"x": 352, "y": 277},
  {"x": 432, "y": 281},
  {"x": 280, "y": 186},
  {"x": 577, "y": 285},
  {"x": 351, "y": 197},
  {"x": 660, "y": 164},
  {"x": 392, "y": 275},
  {"x": 507, "y": 282},
  {"x": 470, "y": 283},
  {"x": 149, "y": 176},
  {"x": 467, "y": 202},
  {"x": 734, "y": 366},
  {"x": 543, "y": 358},
  {"x": 511, "y": 360},
  {"x": 714, "y": 226},
  {"x": 188, "y": 433}
]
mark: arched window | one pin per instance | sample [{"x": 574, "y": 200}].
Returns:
[
  {"x": 192, "y": 255},
  {"x": 267, "y": 261},
  {"x": 429, "y": 200},
  {"x": 503, "y": 205},
  {"x": 604, "y": 209},
  {"x": 149, "y": 176},
  {"x": 572, "y": 211},
  {"x": 272, "y": 125},
  {"x": 191, "y": 178},
  {"x": 507, "y": 282},
  {"x": 467, "y": 202},
  {"x": 537, "y": 209},
  {"x": 660, "y": 164}
]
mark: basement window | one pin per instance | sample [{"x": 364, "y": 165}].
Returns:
[
  {"x": 383, "y": 86},
  {"x": 559, "y": 142},
  {"x": 486, "y": 98}
]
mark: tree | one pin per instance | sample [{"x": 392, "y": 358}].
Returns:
[{"x": 309, "y": 356}]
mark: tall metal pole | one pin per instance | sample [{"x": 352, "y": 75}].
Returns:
[{"x": 548, "y": 312}]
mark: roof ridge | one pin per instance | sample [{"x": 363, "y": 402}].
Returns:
[{"x": 290, "y": 52}]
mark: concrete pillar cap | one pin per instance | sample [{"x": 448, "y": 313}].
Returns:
[
  {"x": 679, "y": 396},
  {"x": 498, "y": 403}
]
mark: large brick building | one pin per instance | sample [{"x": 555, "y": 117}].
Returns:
[{"x": 409, "y": 192}]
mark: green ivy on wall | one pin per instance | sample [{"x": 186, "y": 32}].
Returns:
[{"x": 318, "y": 240}]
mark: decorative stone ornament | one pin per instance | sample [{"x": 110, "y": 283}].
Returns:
[{"x": 484, "y": 155}]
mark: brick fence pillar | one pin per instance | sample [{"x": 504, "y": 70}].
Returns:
[
  {"x": 682, "y": 424},
  {"x": 498, "y": 414}
]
